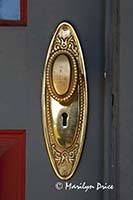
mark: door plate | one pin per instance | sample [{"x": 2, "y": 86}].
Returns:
[{"x": 64, "y": 101}]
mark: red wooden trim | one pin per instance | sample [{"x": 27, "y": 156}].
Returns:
[
  {"x": 23, "y": 11},
  {"x": 12, "y": 132},
  {"x": 23, "y": 16},
  {"x": 12, "y": 164}
]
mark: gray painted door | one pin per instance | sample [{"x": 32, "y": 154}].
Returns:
[{"x": 22, "y": 54}]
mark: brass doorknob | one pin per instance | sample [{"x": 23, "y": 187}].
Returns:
[{"x": 64, "y": 101}]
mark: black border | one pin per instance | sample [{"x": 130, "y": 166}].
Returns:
[{"x": 111, "y": 99}]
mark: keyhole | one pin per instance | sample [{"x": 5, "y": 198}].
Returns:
[{"x": 64, "y": 116}]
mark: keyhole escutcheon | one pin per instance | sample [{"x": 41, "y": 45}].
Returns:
[{"x": 64, "y": 119}]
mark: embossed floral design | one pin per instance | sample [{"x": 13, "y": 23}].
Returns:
[
  {"x": 66, "y": 155},
  {"x": 65, "y": 43}
]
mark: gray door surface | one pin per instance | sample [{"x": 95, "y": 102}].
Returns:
[{"x": 22, "y": 55}]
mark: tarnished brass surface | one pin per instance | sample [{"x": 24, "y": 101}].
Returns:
[{"x": 64, "y": 101}]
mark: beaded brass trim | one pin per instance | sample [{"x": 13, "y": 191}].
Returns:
[
  {"x": 61, "y": 156},
  {"x": 74, "y": 70},
  {"x": 80, "y": 121}
]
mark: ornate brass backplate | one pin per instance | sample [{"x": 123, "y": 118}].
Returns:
[{"x": 64, "y": 101}]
